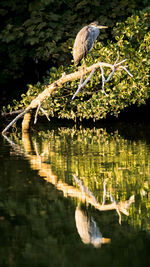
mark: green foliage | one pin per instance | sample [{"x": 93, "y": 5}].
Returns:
[
  {"x": 132, "y": 42},
  {"x": 38, "y": 31}
]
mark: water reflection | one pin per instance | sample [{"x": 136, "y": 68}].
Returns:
[
  {"x": 88, "y": 229},
  {"x": 121, "y": 207},
  {"x": 65, "y": 192},
  {"x": 93, "y": 167}
]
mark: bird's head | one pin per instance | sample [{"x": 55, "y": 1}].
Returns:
[{"x": 95, "y": 24}]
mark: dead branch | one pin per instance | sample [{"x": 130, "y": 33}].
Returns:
[
  {"x": 12, "y": 112},
  {"x": 37, "y": 111},
  {"x": 82, "y": 84},
  {"x": 45, "y": 113},
  {"x": 66, "y": 78}
]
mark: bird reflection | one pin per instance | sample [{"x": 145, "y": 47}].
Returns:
[
  {"x": 86, "y": 225},
  {"x": 88, "y": 229}
]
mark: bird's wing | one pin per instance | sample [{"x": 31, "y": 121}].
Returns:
[
  {"x": 83, "y": 43},
  {"x": 86, "y": 40}
]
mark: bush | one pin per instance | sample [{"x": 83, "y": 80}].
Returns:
[
  {"x": 35, "y": 32},
  {"x": 132, "y": 42}
]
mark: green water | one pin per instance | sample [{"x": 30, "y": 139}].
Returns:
[{"x": 75, "y": 197}]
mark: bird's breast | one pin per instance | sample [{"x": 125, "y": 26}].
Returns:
[{"x": 95, "y": 32}]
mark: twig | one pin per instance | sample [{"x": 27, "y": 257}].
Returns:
[
  {"x": 81, "y": 85},
  {"x": 120, "y": 63},
  {"x": 88, "y": 78},
  {"x": 110, "y": 75},
  {"x": 124, "y": 68},
  {"x": 14, "y": 120},
  {"x": 103, "y": 79},
  {"x": 37, "y": 111},
  {"x": 12, "y": 112},
  {"x": 44, "y": 112}
]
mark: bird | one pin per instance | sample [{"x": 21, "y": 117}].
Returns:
[
  {"x": 88, "y": 230},
  {"x": 84, "y": 41}
]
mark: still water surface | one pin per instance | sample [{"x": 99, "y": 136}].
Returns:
[{"x": 75, "y": 197}]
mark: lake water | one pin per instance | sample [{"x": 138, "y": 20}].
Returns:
[{"x": 75, "y": 197}]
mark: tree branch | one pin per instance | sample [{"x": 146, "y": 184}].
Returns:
[
  {"x": 82, "y": 84},
  {"x": 66, "y": 78}
]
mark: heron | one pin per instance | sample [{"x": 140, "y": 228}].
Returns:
[{"x": 84, "y": 41}]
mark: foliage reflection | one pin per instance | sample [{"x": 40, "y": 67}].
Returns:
[{"x": 92, "y": 166}]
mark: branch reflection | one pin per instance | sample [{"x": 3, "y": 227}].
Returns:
[{"x": 86, "y": 224}]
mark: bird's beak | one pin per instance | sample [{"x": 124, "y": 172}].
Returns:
[
  {"x": 105, "y": 240},
  {"x": 102, "y": 27}
]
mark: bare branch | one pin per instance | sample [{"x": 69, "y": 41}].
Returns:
[
  {"x": 113, "y": 67},
  {"x": 37, "y": 111},
  {"x": 120, "y": 63},
  {"x": 103, "y": 79},
  {"x": 81, "y": 85},
  {"x": 44, "y": 112},
  {"x": 110, "y": 75},
  {"x": 14, "y": 120},
  {"x": 66, "y": 78},
  {"x": 117, "y": 58},
  {"x": 12, "y": 112},
  {"x": 124, "y": 68}
]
